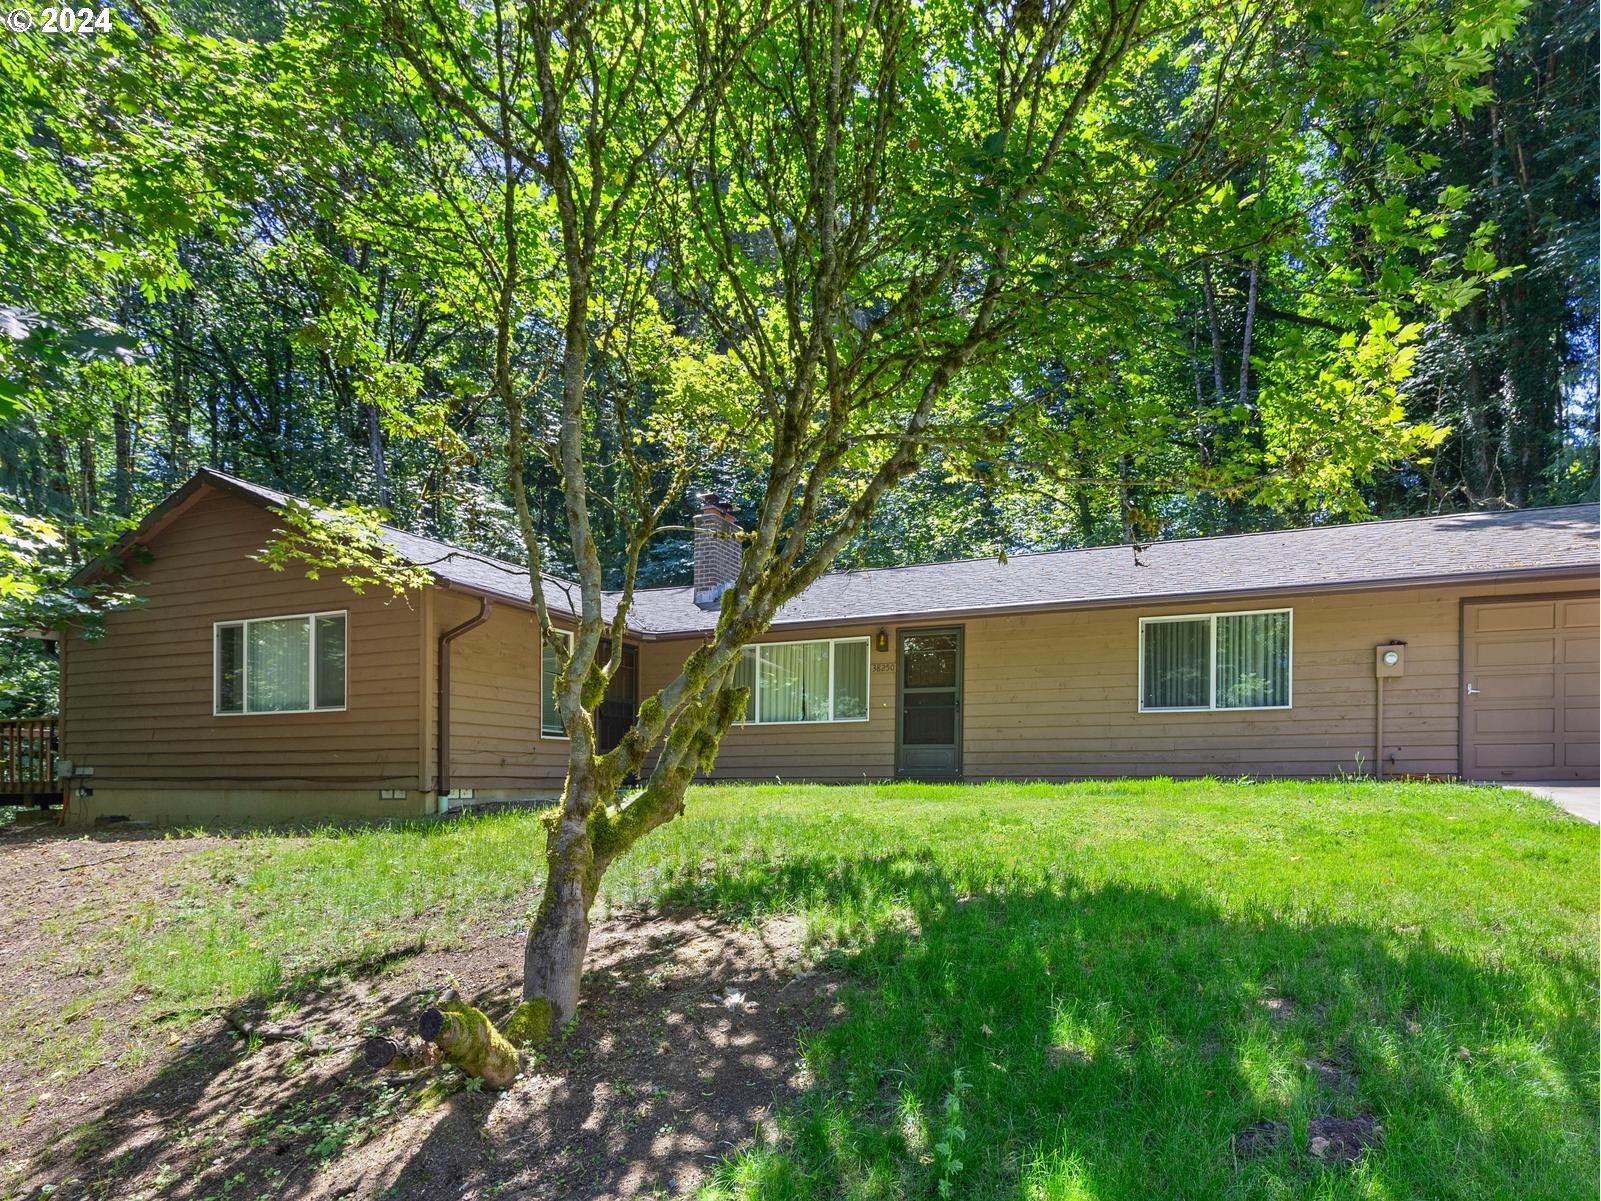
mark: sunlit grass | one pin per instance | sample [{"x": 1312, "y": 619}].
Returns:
[
  {"x": 1065, "y": 987},
  {"x": 267, "y": 913}
]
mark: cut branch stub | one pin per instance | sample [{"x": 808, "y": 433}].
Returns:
[
  {"x": 431, "y": 1023},
  {"x": 379, "y": 1052},
  {"x": 468, "y": 1039},
  {"x": 398, "y": 1054}
]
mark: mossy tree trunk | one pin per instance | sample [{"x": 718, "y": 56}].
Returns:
[
  {"x": 553, "y": 961},
  {"x": 588, "y": 833}
]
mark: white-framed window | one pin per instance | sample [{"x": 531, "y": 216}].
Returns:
[
  {"x": 549, "y": 719},
  {"x": 289, "y": 664},
  {"x": 1209, "y": 661},
  {"x": 790, "y": 682}
]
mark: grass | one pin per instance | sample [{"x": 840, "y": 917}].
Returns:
[
  {"x": 268, "y": 914},
  {"x": 1061, "y": 991}
]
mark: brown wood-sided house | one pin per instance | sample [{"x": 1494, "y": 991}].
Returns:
[{"x": 1463, "y": 645}]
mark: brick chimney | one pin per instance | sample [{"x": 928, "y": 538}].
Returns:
[{"x": 717, "y": 549}]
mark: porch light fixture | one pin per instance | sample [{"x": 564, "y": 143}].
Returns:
[{"x": 881, "y": 641}]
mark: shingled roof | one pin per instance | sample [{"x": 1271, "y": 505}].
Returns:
[
  {"x": 1459, "y": 547},
  {"x": 480, "y": 574}
]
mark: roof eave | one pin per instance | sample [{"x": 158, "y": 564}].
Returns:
[
  {"x": 1126, "y": 602},
  {"x": 516, "y": 601}
]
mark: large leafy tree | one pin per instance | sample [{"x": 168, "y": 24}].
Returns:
[
  {"x": 815, "y": 248},
  {"x": 193, "y": 242},
  {"x": 104, "y": 141},
  {"x": 1512, "y": 372}
]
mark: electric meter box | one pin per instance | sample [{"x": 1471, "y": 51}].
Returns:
[{"x": 1389, "y": 659}]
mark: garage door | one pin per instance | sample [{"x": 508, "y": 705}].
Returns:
[{"x": 1529, "y": 700}]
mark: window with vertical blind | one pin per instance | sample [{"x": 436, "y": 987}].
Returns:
[
  {"x": 290, "y": 664},
  {"x": 793, "y": 682},
  {"x": 1215, "y": 661},
  {"x": 549, "y": 719}
]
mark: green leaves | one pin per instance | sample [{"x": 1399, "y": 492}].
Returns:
[
  {"x": 984, "y": 243},
  {"x": 1327, "y": 435},
  {"x": 346, "y": 540},
  {"x": 41, "y": 587}
]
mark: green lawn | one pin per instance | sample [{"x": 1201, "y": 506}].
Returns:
[{"x": 1061, "y": 990}]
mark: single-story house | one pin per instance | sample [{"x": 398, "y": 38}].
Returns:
[{"x": 1455, "y": 646}]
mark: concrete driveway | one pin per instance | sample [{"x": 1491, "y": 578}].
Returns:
[{"x": 1581, "y": 800}]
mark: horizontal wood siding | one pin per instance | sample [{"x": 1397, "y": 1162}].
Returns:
[
  {"x": 494, "y": 701},
  {"x": 137, "y": 702},
  {"x": 830, "y": 751},
  {"x": 1054, "y": 696}
]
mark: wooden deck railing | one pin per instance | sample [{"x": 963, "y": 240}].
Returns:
[{"x": 28, "y": 757}]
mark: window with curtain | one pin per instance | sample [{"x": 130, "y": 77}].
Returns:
[
  {"x": 791, "y": 682},
  {"x": 549, "y": 719},
  {"x": 279, "y": 664},
  {"x": 1218, "y": 661}
]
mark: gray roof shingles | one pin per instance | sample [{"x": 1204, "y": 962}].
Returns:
[
  {"x": 467, "y": 569},
  {"x": 1464, "y": 545},
  {"x": 1413, "y": 550}
]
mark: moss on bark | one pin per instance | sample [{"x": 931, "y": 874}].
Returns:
[
  {"x": 468, "y": 1039},
  {"x": 529, "y": 1024}
]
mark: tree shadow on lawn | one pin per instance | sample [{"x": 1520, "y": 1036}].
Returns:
[
  {"x": 1123, "y": 1042},
  {"x": 231, "y": 1115},
  {"x": 618, "y": 1109},
  {"x": 1079, "y": 1041}
]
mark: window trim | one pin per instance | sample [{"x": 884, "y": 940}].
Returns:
[
  {"x": 244, "y": 623},
  {"x": 830, "y": 720},
  {"x": 563, "y": 736},
  {"x": 1211, "y": 665}
]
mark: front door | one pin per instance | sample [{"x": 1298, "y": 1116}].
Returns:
[
  {"x": 616, "y": 713},
  {"x": 1529, "y": 689},
  {"x": 928, "y": 728}
]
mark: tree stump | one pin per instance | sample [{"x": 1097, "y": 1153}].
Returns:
[{"x": 467, "y": 1038}]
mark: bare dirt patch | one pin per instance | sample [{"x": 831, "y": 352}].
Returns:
[
  {"x": 1281, "y": 1010},
  {"x": 1342, "y": 1140},
  {"x": 688, "y": 1037},
  {"x": 1259, "y": 1139},
  {"x": 1332, "y": 1076},
  {"x": 65, "y": 1014}
]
